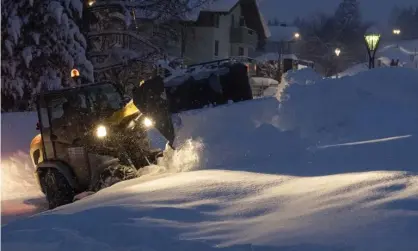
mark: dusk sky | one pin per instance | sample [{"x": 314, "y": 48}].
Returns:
[{"x": 287, "y": 10}]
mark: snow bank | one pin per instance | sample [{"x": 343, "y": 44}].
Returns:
[
  {"x": 377, "y": 103},
  {"x": 17, "y": 131},
  {"x": 303, "y": 76},
  {"x": 353, "y": 70}
]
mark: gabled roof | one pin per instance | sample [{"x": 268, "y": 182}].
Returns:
[
  {"x": 221, "y": 6},
  {"x": 209, "y": 6}
]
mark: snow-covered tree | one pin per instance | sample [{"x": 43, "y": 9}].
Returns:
[
  {"x": 41, "y": 44},
  {"x": 348, "y": 14}
]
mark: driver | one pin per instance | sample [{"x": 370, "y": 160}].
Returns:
[{"x": 67, "y": 126}]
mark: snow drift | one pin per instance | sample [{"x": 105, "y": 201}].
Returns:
[
  {"x": 329, "y": 164},
  {"x": 377, "y": 103}
]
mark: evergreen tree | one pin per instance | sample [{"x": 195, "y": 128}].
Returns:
[
  {"x": 41, "y": 44},
  {"x": 347, "y": 17}
]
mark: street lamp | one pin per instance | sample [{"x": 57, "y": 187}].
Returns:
[
  {"x": 75, "y": 73},
  {"x": 372, "y": 38},
  {"x": 297, "y": 35},
  {"x": 396, "y": 31},
  {"x": 337, "y": 52},
  {"x": 91, "y": 2}
]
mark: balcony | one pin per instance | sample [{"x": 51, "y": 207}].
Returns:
[{"x": 243, "y": 35}]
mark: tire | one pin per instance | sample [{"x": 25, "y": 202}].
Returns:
[
  {"x": 114, "y": 174},
  {"x": 57, "y": 189}
]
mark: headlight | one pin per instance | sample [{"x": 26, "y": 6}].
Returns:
[
  {"x": 147, "y": 122},
  {"x": 101, "y": 131}
]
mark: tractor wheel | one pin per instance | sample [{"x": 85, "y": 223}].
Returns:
[
  {"x": 57, "y": 189},
  {"x": 114, "y": 174}
]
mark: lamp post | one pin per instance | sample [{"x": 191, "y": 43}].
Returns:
[
  {"x": 372, "y": 38},
  {"x": 337, "y": 53},
  {"x": 396, "y": 32},
  {"x": 75, "y": 74},
  {"x": 296, "y": 36}
]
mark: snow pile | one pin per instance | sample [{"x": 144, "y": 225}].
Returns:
[
  {"x": 17, "y": 178},
  {"x": 369, "y": 104},
  {"x": 353, "y": 70},
  {"x": 396, "y": 52},
  {"x": 17, "y": 172},
  {"x": 304, "y": 76}
]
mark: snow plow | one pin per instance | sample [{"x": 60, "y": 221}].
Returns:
[
  {"x": 210, "y": 83},
  {"x": 91, "y": 137}
]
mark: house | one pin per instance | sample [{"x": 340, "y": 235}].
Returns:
[{"x": 222, "y": 29}]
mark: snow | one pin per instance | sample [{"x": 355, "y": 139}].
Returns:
[
  {"x": 304, "y": 76},
  {"x": 56, "y": 10},
  {"x": 27, "y": 55},
  {"x": 353, "y": 70},
  {"x": 221, "y": 6},
  {"x": 14, "y": 27},
  {"x": 36, "y": 36},
  {"x": 78, "y": 6},
  {"x": 260, "y": 81},
  {"x": 9, "y": 47},
  {"x": 328, "y": 164},
  {"x": 406, "y": 56}
]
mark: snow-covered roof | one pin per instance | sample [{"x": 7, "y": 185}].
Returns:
[
  {"x": 263, "y": 22},
  {"x": 221, "y": 6},
  {"x": 210, "y": 6},
  {"x": 282, "y": 33}
]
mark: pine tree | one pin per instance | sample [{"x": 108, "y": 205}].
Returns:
[
  {"x": 41, "y": 44},
  {"x": 348, "y": 15}
]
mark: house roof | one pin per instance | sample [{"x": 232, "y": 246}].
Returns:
[
  {"x": 197, "y": 6},
  {"x": 282, "y": 33},
  {"x": 222, "y": 6}
]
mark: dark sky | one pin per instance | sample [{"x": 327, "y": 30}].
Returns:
[{"x": 287, "y": 10}]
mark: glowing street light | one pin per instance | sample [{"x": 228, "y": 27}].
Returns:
[
  {"x": 396, "y": 31},
  {"x": 91, "y": 2},
  {"x": 75, "y": 73},
  {"x": 297, "y": 35},
  {"x": 372, "y": 38},
  {"x": 337, "y": 52}
]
